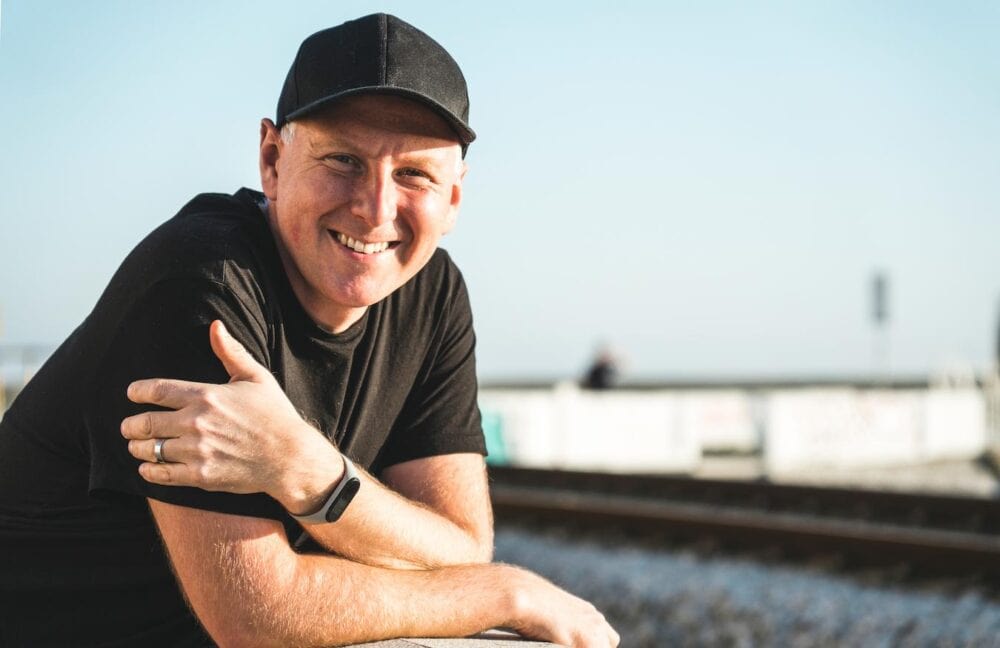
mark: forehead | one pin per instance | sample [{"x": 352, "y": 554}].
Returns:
[{"x": 383, "y": 114}]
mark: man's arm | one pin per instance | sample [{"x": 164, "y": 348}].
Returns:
[
  {"x": 435, "y": 512},
  {"x": 245, "y": 436},
  {"x": 248, "y": 587}
]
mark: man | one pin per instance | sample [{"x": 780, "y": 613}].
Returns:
[{"x": 311, "y": 352}]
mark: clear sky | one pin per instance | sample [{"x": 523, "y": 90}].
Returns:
[{"x": 707, "y": 186}]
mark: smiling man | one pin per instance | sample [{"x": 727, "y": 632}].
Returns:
[{"x": 314, "y": 472}]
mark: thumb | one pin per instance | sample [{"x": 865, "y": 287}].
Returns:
[{"x": 235, "y": 358}]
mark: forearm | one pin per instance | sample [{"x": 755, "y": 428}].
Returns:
[
  {"x": 249, "y": 588},
  {"x": 383, "y": 528},
  {"x": 263, "y": 593},
  {"x": 365, "y": 603},
  {"x": 331, "y": 601}
]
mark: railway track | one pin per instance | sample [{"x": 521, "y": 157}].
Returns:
[{"x": 930, "y": 534}]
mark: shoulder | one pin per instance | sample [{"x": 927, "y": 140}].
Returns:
[
  {"x": 435, "y": 303},
  {"x": 436, "y": 295},
  {"x": 217, "y": 244},
  {"x": 215, "y": 238},
  {"x": 439, "y": 280},
  {"x": 209, "y": 236}
]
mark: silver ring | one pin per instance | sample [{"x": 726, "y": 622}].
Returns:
[{"x": 158, "y": 450}]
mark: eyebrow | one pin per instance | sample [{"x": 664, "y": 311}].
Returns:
[{"x": 336, "y": 140}]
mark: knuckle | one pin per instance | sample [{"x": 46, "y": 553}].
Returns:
[
  {"x": 201, "y": 423},
  {"x": 156, "y": 389},
  {"x": 204, "y": 449},
  {"x": 146, "y": 425},
  {"x": 202, "y": 474},
  {"x": 210, "y": 398}
]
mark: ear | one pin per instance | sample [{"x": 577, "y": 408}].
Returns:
[
  {"x": 270, "y": 151},
  {"x": 456, "y": 200}
]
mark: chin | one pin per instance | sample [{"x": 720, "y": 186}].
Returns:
[{"x": 360, "y": 298}]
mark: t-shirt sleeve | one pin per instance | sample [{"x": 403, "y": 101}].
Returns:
[
  {"x": 165, "y": 335},
  {"x": 441, "y": 414}
]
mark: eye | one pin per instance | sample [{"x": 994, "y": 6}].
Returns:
[
  {"x": 414, "y": 177},
  {"x": 343, "y": 161}
]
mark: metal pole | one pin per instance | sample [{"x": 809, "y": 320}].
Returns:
[{"x": 881, "y": 366}]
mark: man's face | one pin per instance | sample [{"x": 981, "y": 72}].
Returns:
[{"x": 359, "y": 197}]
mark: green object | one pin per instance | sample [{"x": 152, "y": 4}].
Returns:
[{"x": 493, "y": 431}]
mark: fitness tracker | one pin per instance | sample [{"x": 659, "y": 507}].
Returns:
[{"x": 342, "y": 494}]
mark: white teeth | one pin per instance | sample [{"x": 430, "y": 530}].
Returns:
[{"x": 364, "y": 248}]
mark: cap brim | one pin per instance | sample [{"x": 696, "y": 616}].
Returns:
[{"x": 465, "y": 134}]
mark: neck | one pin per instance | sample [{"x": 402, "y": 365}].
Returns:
[
  {"x": 336, "y": 325},
  {"x": 332, "y": 318}
]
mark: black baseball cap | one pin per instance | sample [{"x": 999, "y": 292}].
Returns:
[{"x": 376, "y": 54}]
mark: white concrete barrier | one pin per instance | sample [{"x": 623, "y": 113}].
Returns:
[
  {"x": 841, "y": 428},
  {"x": 528, "y": 423},
  {"x": 723, "y": 420},
  {"x": 849, "y": 428},
  {"x": 954, "y": 424},
  {"x": 626, "y": 432},
  {"x": 665, "y": 431},
  {"x": 583, "y": 430}
]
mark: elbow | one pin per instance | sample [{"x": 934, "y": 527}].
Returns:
[
  {"x": 232, "y": 630},
  {"x": 238, "y": 628},
  {"x": 228, "y": 635},
  {"x": 484, "y": 557},
  {"x": 481, "y": 550},
  {"x": 255, "y": 609},
  {"x": 484, "y": 550}
]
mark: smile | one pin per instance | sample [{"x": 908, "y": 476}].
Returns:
[{"x": 360, "y": 246}]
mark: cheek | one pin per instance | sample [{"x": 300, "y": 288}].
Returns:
[
  {"x": 432, "y": 215},
  {"x": 295, "y": 238},
  {"x": 299, "y": 235}
]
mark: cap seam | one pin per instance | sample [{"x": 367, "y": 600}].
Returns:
[
  {"x": 295, "y": 76},
  {"x": 384, "y": 24}
]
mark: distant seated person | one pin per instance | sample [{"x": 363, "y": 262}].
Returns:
[
  {"x": 603, "y": 372},
  {"x": 266, "y": 433}
]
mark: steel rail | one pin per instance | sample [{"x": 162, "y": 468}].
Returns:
[{"x": 551, "y": 496}]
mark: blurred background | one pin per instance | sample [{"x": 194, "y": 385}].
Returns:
[
  {"x": 724, "y": 201},
  {"x": 720, "y": 240},
  {"x": 709, "y": 189}
]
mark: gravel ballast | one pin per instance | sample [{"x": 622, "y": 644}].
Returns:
[{"x": 681, "y": 598}]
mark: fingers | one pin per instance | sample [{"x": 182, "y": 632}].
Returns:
[
  {"x": 167, "y": 473},
  {"x": 173, "y": 450},
  {"x": 148, "y": 425},
  {"x": 181, "y": 466},
  {"x": 174, "y": 394},
  {"x": 234, "y": 356}
]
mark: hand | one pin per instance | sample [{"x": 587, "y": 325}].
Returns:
[
  {"x": 240, "y": 437},
  {"x": 543, "y": 611}
]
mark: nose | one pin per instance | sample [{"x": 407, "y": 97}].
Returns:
[{"x": 375, "y": 202}]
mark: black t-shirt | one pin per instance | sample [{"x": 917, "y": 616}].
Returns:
[{"x": 81, "y": 560}]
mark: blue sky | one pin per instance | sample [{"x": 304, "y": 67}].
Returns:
[{"x": 706, "y": 186}]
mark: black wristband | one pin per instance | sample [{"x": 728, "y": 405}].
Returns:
[{"x": 342, "y": 494}]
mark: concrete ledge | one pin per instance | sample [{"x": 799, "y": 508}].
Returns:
[{"x": 490, "y": 639}]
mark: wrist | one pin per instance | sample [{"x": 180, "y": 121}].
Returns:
[
  {"x": 515, "y": 599},
  {"x": 311, "y": 476},
  {"x": 340, "y": 497}
]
